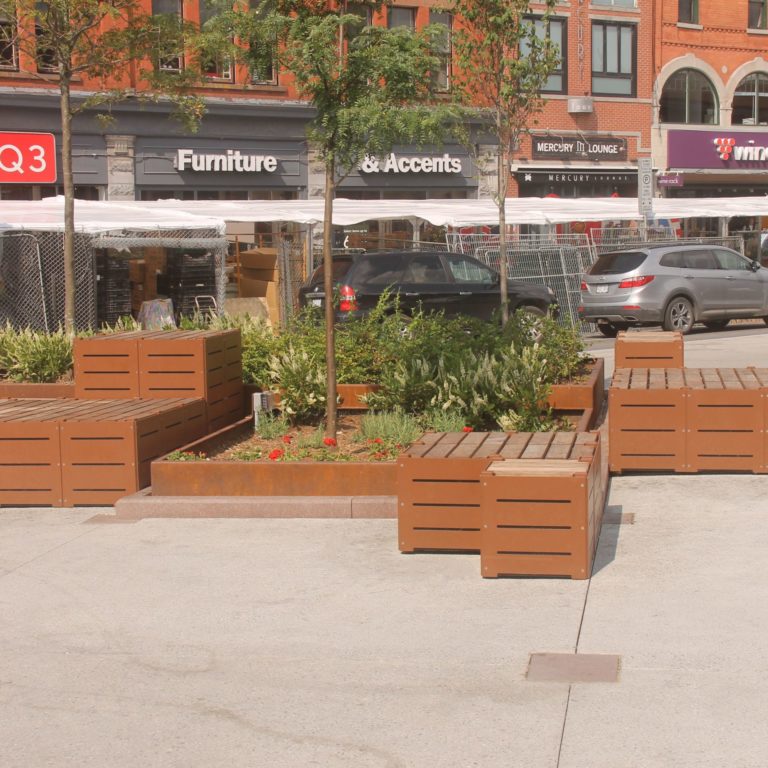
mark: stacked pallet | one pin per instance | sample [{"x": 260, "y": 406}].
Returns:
[{"x": 530, "y": 504}]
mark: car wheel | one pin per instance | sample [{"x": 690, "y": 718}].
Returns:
[
  {"x": 679, "y": 315},
  {"x": 716, "y": 325},
  {"x": 609, "y": 330}
]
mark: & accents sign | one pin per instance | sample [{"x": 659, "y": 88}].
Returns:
[{"x": 419, "y": 164}]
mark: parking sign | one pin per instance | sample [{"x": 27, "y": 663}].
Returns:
[{"x": 27, "y": 158}]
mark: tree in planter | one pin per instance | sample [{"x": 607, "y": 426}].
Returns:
[
  {"x": 88, "y": 44},
  {"x": 371, "y": 88},
  {"x": 503, "y": 58}
]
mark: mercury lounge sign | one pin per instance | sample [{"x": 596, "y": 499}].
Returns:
[
  {"x": 570, "y": 147},
  {"x": 231, "y": 161},
  {"x": 398, "y": 164}
]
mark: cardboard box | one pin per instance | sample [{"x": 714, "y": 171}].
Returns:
[
  {"x": 259, "y": 258},
  {"x": 250, "y": 287},
  {"x": 267, "y": 275}
]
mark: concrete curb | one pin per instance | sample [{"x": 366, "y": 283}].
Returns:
[{"x": 143, "y": 504}]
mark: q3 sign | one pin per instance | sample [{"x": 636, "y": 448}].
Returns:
[{"x": 27, "y": 158}]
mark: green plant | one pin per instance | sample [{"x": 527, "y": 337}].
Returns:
[
  {"x": 524, "y": 382},
  {"x": 408, "y": 384},
  {"x": 36, "y": 356},
  {"x": 438, "y": 420},
  {"x": 121, "y": 325},
  {"x": 301, "y": 380},
  {"x": 186, "y": 456},
  {"x": 271, "y": 425},
  {"x": 393, "y": 428}
]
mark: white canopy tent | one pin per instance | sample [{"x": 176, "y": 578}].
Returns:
[{"x": 110, "y": 216}]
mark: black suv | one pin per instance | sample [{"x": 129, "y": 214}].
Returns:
[{"x": 433, "y": 281}]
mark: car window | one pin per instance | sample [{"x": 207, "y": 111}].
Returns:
[
  {"x": 617, "y": 263},
  {"x": 703, "y": 259},
  {"x": 425, "y": 268},
  {"x": 340, "y": 268},
  {"x": 674, "y": 259},
  {"x": 731, "y": 260},
  {"x": 378, "y": 270},
  {"x": 465, "y": 270}
]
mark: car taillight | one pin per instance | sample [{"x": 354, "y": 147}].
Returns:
[
  {"x": 636, "y": 282},
  {"x": 347, "y": 299},
  {"x": 583, "y": 287}
]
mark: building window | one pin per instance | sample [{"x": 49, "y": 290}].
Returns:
[
  {"x": 617, "y": 3},
  {"x": 169, "y": 60},
  {"x": 613, "y": 58},
  {"x": 688, "y": 11},
  {"x": 8, "y": 57},
  {"x": 364, "y": 13},
  {"x": 220, "y": 67},
  {"x": 402, "y": 17},
  {"x": 757, "y": 16},
  {"x": 688, "y": 97},
  {"x": 555, "y": 30},
  {"x": 261, "y": 58},
  {"x": 441, "y": 80},
  {"x": 750, "y": 101}
]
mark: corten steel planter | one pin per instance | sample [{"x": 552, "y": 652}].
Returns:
[
  {"x": 649, "y": 349},
  {"x": 580, "y": 396},
  {"x": 26, "y": 390},
  {"x": 72, "y": 452},
  {"x": 724, "y": 420},
  {"x": 164, "y": 364},
  {"x": 646, "y": 420},
  {"x": 542, "y": 517},
  {"x": 349, "y": 395},
  {"x": 438, "y": 482}
]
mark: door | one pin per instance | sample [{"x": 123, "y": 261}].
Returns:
[
  {"x": 476, "y": 286},
  {"x": 426, "y": 285},
  {"x": 703, "y": 278},
  {"x": 742, "y": 287}
]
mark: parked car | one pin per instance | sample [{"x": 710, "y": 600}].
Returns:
[
  {"x": 342, "y": 261},
  {"x": 433, "y": 281},
  {"x": 673, "y": 285}
]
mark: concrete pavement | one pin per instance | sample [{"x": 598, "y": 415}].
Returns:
[{"x": 308, "y": 642}]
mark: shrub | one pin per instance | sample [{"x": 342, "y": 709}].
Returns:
[
  {"x": 271, "y": 425},
  {"x": 35, "y": 356},
  {"x": 394, "y": 428},
  {"x": 301, "y": 381},
  {"x": 524, "y": 383},
  {"x": 438, "y": 420}
]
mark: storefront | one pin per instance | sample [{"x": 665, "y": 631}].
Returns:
[{"x": 576, "y": 166}]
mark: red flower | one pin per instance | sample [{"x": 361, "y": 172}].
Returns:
[
  {"x": 329, "y": 441},
  {"x": 466, "y": 429},
  {"x": 377, "y": 440},
  {"x": 287, "y": 439},
  {"x": 276, "y": 454}
]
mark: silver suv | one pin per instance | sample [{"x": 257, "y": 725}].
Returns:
[{"x": 673, "y": 285}]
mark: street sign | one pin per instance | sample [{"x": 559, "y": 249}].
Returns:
[
  {"x": 27, "y": 158},
  {"x": 645, "y": 185}
]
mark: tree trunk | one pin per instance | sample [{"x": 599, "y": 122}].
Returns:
[
  {"x": 330, "y": 305},
  {"x": 69, "y": 206},
  {"x": 501, "y": 172}
]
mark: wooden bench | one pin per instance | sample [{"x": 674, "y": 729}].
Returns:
[
  {"x": 542, "y": 517},
  {"x": 164, "y": 364},
  {"x": 649, "y": 349},
  {"x": 438, "y": 482},
  {"x": 72, "y": 452},
  {"x": 687, "y": 419}
]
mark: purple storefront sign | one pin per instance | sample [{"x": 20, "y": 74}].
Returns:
[
  {"x": 721, "y": 148},
  {"x": 669, "y": 180}
]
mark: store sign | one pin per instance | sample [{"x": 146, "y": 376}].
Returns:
[
  {"x": 737, "y": 150},
  {"x": 670, "y": 180},
  {"x": 572, "y": 147},
  {"x": 419, "y": 164},
  {"x": 27, "y": 158},
  {"x": 576, "y": 177},
  {"x": 231, "y": 161}
]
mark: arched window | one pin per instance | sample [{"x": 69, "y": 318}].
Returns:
[
  {"x": 688, "y": 97},
  {"x": 750, "y": 102}
]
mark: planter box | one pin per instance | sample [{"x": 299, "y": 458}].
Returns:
[
  {"x": 581, "y": 396},
  {"x": 687, "y": 420},
  {"x": 349, "y": 395},
  {"x": 71, "y": 452},
  {"x": 542, "y": 517},
  {"x": 438, "y": 482},
  {"x": 25, "y": 390},
  {"x": 649, "y": 349}
]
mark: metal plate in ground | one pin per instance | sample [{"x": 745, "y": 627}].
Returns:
[{"x": 573, "y": 668}]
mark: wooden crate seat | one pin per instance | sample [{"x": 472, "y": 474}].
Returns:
[
  {"x": 649, "y": 349},
  {"x": 79, "y": 452}
]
